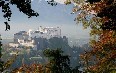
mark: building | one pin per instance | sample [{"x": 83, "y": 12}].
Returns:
[
  {"x": 35, "y": 39},
  {"x": 47, "y": 32},
  {"x": 22, "y": 35},
  {"x": 27, "y": 43},
  {"x": 13, "y": 45}
]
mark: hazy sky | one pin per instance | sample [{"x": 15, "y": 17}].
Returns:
[{"x": 50, "y": 16}]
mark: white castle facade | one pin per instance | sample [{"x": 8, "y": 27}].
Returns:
[
  {"x": 24, "y": 38},
  {"x": 47, "y": 32}
]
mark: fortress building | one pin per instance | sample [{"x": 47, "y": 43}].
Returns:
[
  {"x": 47, "y": 32},
  {"x": 24, "y": 38}
]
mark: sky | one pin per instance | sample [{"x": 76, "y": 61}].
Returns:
[{"x": 49, "y": 16}]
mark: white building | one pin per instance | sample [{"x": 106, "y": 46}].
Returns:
[
  {"x": 13, "y": 45},
  {"x": 47, "y": 32},
  {"x": 29, "y": 43},
  {"x": 24, "y": 38},
  {"x": 22, "y": 35}
]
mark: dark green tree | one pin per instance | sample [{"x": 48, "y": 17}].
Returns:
[
  {"x": 1, "y": 62},
  {"x": 59, "y": 63},
  {"x": 24, "y": 6}
]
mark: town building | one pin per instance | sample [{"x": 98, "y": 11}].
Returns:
[{"x": 22, "y": 35}]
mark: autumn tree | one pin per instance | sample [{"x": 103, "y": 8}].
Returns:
[
  {"x": 33, "y": 68},
  {"x": 100, "y": 16}
]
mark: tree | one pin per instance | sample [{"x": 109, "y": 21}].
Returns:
[
  {"x": 1, "y": 62},
  {"x": 23, "y": 6},
  {"x": 5, "y": 65},
  {"x": 58, "y": 63},
  {"x": 33, "y": 68},
  {"x": 99, "y": 15}
]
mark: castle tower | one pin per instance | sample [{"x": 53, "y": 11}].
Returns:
[
  {"x": 29, "y": 32},
  {"x": 40, "y": 29}
]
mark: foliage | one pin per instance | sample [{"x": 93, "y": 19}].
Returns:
[
  {"x": 99, "y": 15},
  {"x": 7, "y": 64},
  {"x": 23, "y": 6},
  {"x": 52, "y": 2},
  {"x": 33, "y": 68},
  {"x": 58, "y": 63},
  {"x": 1, "y": 62}
]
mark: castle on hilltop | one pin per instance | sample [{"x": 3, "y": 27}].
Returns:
[
  {"x": 47, "y": 32},
  {"x": 26, "y": 38}
]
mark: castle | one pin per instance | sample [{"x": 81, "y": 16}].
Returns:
[{"x": 24, "y": 38}]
